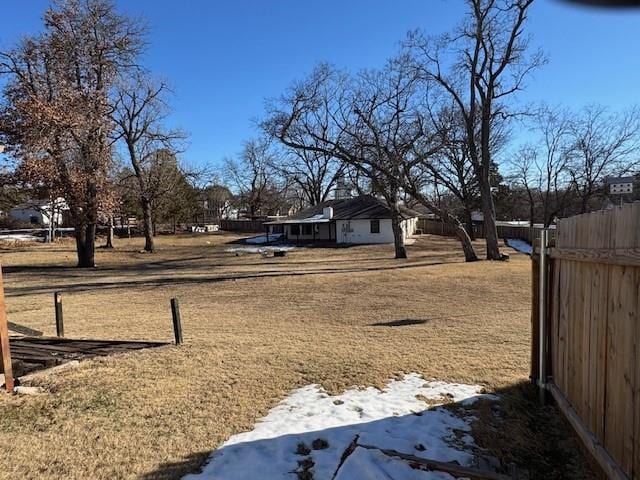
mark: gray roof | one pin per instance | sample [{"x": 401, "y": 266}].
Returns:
[
  {"x": 358, "y": 208},
  {"x": 610, "y": 180}
]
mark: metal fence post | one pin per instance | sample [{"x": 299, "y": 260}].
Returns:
[{"x": 542, "y": 313}]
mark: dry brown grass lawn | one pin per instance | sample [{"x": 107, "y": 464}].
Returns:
[{"x": 254, "y": 329}]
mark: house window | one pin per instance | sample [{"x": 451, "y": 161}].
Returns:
[
  {"x": 306, "y": 229},
  {"x": 295, "y": 230},
  {"x": 375, "y": 226}
]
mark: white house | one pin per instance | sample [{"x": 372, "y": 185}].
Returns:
[
  {"x": 39, "y": 212},
  {"x": 360, "y": 220},
  {"x": 620, "y": 185}
]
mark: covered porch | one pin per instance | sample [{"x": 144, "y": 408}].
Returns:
[{"x": 307, "y": 230}]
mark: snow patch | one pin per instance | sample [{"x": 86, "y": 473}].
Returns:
[
  {"x": 396, "y": 418},
  {"x": 282, "y": 248},
  {"x": 373, "y": 464},
  {"x": 519, "y": 245},
  {"x": 259, "y": 240},
  {"x": 20, "y": 237}
]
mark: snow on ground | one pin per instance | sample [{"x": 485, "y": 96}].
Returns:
[
  {"x": 519, "y": 245},
  {"x": 373, "y": 465},
  {"x": 279, "y": 248},
  {"x": 20, "y": 237},
  {"x": 263, "y": 239},
  {"x": 311, "y": 430}
]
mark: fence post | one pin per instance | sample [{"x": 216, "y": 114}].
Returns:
[
  {"x": 177, "y": 324},
  {"x": 542, "y": 313},
  {"x": 5, "y": 354},
  {"x": 535, "y": 302},
  {"x": 57, "y": 301}
]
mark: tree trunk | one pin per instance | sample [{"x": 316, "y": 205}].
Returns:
[
  {"x": 465, "y": 241},
  {"x": 584, "y": 203},
  {"x": 448, "y": 219},
  {"x": 109, "y": 243},
  {"x": 398, "y": 235},
  {"x": 489, "y": 218},
  {"x": 148, "y": 226},
  {"x": 531, "y": 213},
  {"x": 469, "y": 221},
  {"x": 86, "y": 244},
  {"x": 462, "y": 234}
]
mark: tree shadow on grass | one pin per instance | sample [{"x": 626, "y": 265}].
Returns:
[
  {"x": 170, "y": 280},
  {"x": 399, "y": 323},
  {"x": 192, "y": 463}
]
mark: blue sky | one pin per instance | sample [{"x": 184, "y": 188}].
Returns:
[{"x": 224, "y": 57}]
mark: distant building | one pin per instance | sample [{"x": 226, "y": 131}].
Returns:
[
  {"x": 619, "y": 190},
  {"x": 619, "y": 185},
  {"x": 359, "y": 220},
  {"x": 40, "y": 212}
]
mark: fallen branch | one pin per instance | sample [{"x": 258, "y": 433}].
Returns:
[
  {"x": 447, "y": 467},
  {"x": 348, "y": 451}
]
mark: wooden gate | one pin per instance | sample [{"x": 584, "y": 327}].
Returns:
[{"x": 592, "y": 334}]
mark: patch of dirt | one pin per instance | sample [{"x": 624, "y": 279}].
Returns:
[{"x": 519, "y": 431}]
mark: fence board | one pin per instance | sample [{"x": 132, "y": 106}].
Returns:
[
  {"x": 598, "y": 349},
  {"x": 636, "y": 407},
  {"x": 620, "y": 369},
  {"x": 594, "y": 295},
  {"x": 242, "y": 225},
  {"x": 435, "y": 227}
]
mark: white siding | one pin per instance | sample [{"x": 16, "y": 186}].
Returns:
[
  {"x": 27, "y": 214},
  {"x": 351, "y": 231},
  {"x": 359, "y": 231}
]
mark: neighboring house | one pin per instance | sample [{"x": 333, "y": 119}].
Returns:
[
  {"x": 39, "y": 212},
  {"x": 621, "y": 190},
  {"x": 619, "y": 185},
  {"x": 360, "y": 220}
]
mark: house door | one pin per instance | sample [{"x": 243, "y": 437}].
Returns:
[{"x": 346, "y": 232}]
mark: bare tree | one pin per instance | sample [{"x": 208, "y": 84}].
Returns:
[
  {"x": 254, "y": 178},
  {"x": 139, "y": 112},
  {"x": 603, "y": 144},
  {"x": 438, "y": 160},
  {"x": 419, "y": 188},
  {"x": 366, "y": 122},
  {"x": 55, "y": 115},
  {"x": 314, "y": 174},
  {"x": 477, "y": 68},
  {"x": 542, "y": 170},
  {"x": 372, "y": 124}
]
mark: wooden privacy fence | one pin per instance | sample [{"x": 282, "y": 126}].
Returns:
[
  {"x": 242, "y": 225},
  {"x": 591, "y": 333},
  {"x": 436, "y": 227}
]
